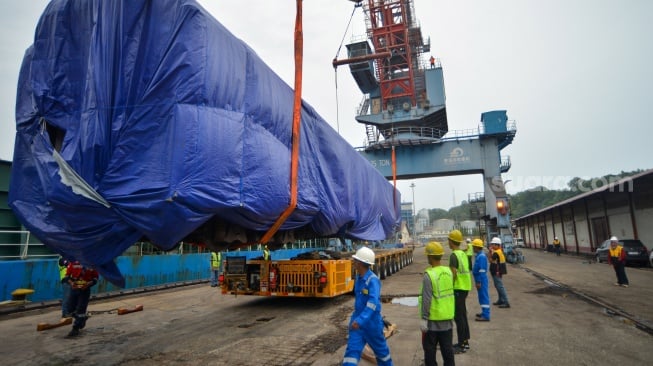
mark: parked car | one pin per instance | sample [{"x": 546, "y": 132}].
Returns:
[
  {"x": 519, "y": 242},
  {"x": 636, "y": 252}
]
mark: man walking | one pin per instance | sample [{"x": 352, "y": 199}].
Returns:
[
  {"x": 498, "y": 270},
  {"x": 366, "y": 323},
  {"x": 436, "y": 308},
  {"x": 462, "y": 283},
  {"x": 480, "y": 278},
  {"x": 81, "y": 279},
  {"x": 617, "y": 258}
]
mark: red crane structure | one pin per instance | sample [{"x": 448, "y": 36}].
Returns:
[{"x": 403, "y": 99}]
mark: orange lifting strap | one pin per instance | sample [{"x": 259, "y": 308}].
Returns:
[{"x": 297, "y": 109}]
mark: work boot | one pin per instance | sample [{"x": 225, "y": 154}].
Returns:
[
  {"x": 458, "y": 349},
  {"x": 504, "y": 306},
  {"x": 74, "y": 332},
  {"x": 497, "y": 303}
]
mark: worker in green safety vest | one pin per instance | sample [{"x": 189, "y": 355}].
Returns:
[
  {"x": 436, "y": 307},
  {"x": 65, "y": 287},
  {"x": 462, "y": 284},
  {"x": 216, "y": 261}
]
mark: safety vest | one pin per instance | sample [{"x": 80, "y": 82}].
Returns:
[
  {"x": 216, "y": 258},
  {"x": 443, "y": 303},
  {"x": 463, "y": 279},
  {"x": 616, "y": 252},
  {"x": 62, "y": 269},
  {"x": 470, "y": 250},
  {"x": 266, "y": 254},
  {"x": 500, "y": 267}
]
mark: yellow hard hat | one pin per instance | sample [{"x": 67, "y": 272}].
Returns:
[
  {"x": 434, "y": 248},
  {"x": 477, "y": 243},
  {"x": 456, "y": 235}
]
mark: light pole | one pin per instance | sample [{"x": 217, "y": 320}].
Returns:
[{"x": 412, "y": 187}]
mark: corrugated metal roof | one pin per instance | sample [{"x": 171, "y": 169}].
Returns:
[{"x": 590, "y": 193}]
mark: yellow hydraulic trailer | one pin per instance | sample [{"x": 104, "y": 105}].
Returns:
[{"x": 304, "y": 277}]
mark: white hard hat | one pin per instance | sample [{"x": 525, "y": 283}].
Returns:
[
  {"x": 365, "y": 255},
  {"x": 496, "y": 241},
  {"x": 614, "y": 238},
  {"x": 469, "y": 240}
]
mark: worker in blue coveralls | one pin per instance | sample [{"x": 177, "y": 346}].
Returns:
[
  {"x": 366, "y": 324},
  {"x": 480, "y": 279}
]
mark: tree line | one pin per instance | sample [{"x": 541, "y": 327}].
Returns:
[{"x": 531, "y": 200}]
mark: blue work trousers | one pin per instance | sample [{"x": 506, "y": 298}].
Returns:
[
  {"x": 375, "y": 338},
  {"x": 620, "y": 271},
  {"x": 65, "y": 299},
  {"x": 501, "y": 291},
  {"x": 484, "y": 298},
  {"x": 215, "y": 273}
]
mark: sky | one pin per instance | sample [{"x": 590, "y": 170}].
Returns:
[{"x": 574, "y": 75}]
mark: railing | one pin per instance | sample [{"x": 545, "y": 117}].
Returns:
[
  {"x": 24, "y": 248},
  {"x": 462, "y": 134},
  {"x": 401, "y": 132},
  {"x": 505, "y": 164},
  {"x": 27, "y": 248}
]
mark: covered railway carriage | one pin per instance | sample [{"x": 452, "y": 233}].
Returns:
[{"x": 148, "y": 119}]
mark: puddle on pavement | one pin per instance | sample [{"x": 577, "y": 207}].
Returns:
[{"x": 408, "y": 301}]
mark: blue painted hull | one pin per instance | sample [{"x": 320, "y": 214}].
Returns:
[{"x": 42, "y": 275}]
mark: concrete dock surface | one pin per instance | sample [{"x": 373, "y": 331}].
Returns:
[
  {"x": 551, "y": 322},
  {"x": 546, "y": 324}
]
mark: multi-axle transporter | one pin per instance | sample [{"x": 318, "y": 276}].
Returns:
[{"x": 305, "y": 277}]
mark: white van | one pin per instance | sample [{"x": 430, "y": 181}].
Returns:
[{"x": 519, "y": 242}]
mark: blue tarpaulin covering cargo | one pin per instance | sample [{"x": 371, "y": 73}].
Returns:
[{"x": 148, "y": 119}]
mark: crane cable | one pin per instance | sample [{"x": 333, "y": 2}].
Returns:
[
  {"x": 296, "y": 124},
  {"x": 335, "y": 68}
]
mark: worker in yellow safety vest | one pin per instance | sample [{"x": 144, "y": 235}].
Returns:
[
  {"x": 462, "y": 283},
  {"x": 65, "y": 287},
  {"x": 617, "y": 258},
  {"x": 498, "y": 269},
  {"x": 216, "y": 261},
  {"x": 436, "y": 307},
  {"x": 266, "y": 253}
]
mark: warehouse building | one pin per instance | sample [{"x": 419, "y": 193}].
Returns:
[{"x": 623, "y": 208}]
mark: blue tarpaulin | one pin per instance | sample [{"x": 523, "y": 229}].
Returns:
[{"x": 146, "y": 119}]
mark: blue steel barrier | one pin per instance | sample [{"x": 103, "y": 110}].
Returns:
[{"x": 42, "y": 275}]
